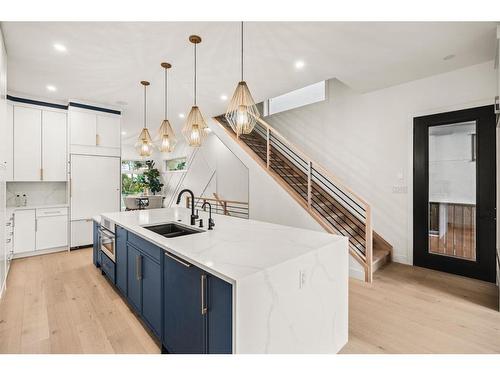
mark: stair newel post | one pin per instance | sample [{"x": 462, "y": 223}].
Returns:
[
  {"x": 309, "y": 183},
  {"x": 268, "y": 141},
  {"x": 368, "y": 245}
]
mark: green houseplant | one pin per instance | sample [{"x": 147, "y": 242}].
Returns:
[{"x": 151, "y": 178}]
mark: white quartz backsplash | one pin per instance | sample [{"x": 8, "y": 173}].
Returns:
[{"x": 37, "y": 193}]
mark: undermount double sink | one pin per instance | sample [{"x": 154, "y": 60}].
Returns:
[{"x": 171, "y": 230}]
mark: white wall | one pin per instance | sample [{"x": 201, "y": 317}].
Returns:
[{"x": 366, "y": 139}]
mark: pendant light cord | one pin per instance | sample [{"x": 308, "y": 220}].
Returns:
[
  {"x": 195, "y": 74},
  {"x": 145, "y": 124},
  {"x": 242, "y": 50},
  {"x": 166, "y": 95}
]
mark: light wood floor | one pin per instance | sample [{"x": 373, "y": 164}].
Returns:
[{"x": 60, "y": 303}]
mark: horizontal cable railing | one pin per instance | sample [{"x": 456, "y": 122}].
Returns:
[
  {"x": 221, "y": 206},
  {"x": 323, "y": 194}
]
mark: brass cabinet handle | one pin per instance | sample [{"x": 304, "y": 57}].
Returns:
[
  {"x": 138, "y": 267},
  {"x": 97, "y": 139},
  {"x": 185, "y": 264},
  {"x": 203, "y": 282}
]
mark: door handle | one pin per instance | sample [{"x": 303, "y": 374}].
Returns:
[
  {"x": 138, "y": 267},
  {"x": 203, "y": 302},
  {"x": 185, "y": 264}
]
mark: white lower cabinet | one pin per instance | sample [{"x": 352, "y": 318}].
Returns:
[
  {"x": 40, "y": 229},
  {"x": 51, "y": 228},
  {"x": 24, "y": 231},
  {"x": 81, "y": 233}
]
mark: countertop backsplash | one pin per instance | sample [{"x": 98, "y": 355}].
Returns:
[{"x": 37, "y": 193}]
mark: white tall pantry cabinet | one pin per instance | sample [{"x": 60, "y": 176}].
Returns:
[{"x": 95, "y": 163}]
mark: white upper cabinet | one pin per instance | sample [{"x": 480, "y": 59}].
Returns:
[
  {"x": 94, "y": 132},
  {"x": 27, "y": 144},
  {"x": 39, "y": 145},
  {"x": 108, "y": 131},
  {"x": 54, "y": 158},
  {"x": 83, "y": 128}
]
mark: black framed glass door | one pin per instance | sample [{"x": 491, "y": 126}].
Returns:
[{"x": 454, "y": 192}]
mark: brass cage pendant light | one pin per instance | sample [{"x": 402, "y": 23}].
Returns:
[
  {"x": 144, "y": 144},
  {"x": 195, "y": 128},
  {"x": 242, "y": 112},
  {"x": 167, "y": 139}
]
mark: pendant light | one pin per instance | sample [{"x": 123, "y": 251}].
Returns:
[
  {"x": 144, "y": 144},
  {"x": 166, "y": 133},
  {"x": 194, "y": 129},
  {"x": 242, "y": 113}
]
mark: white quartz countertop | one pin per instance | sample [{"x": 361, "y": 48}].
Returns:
[{"x": 235, "y": 249}]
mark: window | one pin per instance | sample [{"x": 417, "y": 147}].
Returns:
[
  {"x": 294, "y": 99},
  {"x": 132, "y": 176},
  {"x": 178, "y": 164}
]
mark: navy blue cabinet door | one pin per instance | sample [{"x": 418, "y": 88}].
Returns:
[
  {"x": 220, "y": 312},
  {"x": 134, "y": 264},
  {"x": 121, "y": 259},
  {"x": 151, "y": 294},
  {"x": 184, "y": 323},
  {"x": 96, "y": 240}
]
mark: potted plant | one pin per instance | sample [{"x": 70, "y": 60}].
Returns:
[{"x": 151, "y": 178}]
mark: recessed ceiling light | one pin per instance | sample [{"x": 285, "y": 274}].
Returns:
[
  {"x": 51, "y": 88},
  {"x": 448, "y": 57},
  {"x": 124, "y": 133},
  {"x": 299, "y": 64},
  {"x": 181, "y": 115},
  {"x": 223, "y": 97},
  {"x": 60, "y": 47}
]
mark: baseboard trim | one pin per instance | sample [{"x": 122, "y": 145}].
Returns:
[
  {"x": 400, "y": 259},
  {"x": 39, "y": 252}
]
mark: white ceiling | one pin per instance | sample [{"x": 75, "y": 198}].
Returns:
[{"x": 106, "y": 60}]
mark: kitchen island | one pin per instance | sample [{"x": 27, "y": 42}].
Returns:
[{"x": 244, "y": 287}]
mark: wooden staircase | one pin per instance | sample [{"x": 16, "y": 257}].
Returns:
[{"x": 332, "y": 204}]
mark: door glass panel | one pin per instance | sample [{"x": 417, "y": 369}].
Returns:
[{"x": 452, "y": 190}]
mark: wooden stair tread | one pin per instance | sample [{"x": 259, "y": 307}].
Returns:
[{"x": 380, "y": 254}]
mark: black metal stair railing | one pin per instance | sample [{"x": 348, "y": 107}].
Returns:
[{"x": 343, "y": 211}]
